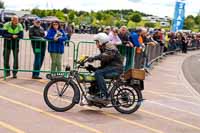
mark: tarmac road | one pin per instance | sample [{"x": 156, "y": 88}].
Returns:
[
  {"x": 172, "y": 106},
  {"x": 191, "y": 68}
]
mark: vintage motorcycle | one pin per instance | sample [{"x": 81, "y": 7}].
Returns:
[{"x": 63, "y": 92}]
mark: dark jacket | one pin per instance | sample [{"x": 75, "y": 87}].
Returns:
[
  {"x": 58, "y": 46},
  {"x": 110, "y": 56},
  {"x": 124, "y": 38},
  {"x": 9, "y": 31},
  {"x": 156, "y": 37},
  {"x": 37, "y": 34}
]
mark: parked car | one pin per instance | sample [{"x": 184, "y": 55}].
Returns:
[{"x": 6, "y": 15}]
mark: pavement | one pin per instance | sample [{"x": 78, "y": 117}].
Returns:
[
  {"x": 172, "y": 105},
  {"x": 191, "y": 71}
]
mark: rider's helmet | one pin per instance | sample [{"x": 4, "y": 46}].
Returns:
[{"x": 102, "y": 38}]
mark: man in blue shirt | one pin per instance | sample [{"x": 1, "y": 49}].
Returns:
[{"x": 135, "y": 37}]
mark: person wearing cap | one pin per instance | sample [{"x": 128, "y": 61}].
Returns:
[
  {"x": 107, "y": 30},
  {"x": 57, "y": 39},
  {"x": 36, "y": 33},
  {"x": 13, "y": 31},
  {"x": 111, "y": 64}
]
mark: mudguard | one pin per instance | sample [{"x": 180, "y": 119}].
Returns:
[{"x": 77, "y": 96}]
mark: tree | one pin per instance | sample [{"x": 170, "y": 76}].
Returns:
[
  {"x": 108, "y": 20},
  {"x": 197, "y": 19},
  {"x": 99, "y": 16},
  {"x": 71, "y": 16},
  {"x": 118, "y": 23},
  {"x": 43, "y": 13},
  {"x": 189, "y": 23},
  {"x": 2, "y": 4},
  {"x": 136, "y": 17},
  {"x": 59, "y": 14},
  {"x": 50, "y": 13},
  {"x": 131, "y": 24},
  {"x": 149, "y": 24},
  {"x": 65, "y": 10},
  {"x": 36, "y": 12}
]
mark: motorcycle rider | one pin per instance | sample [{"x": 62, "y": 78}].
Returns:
[{"x": 111, "y": 64}]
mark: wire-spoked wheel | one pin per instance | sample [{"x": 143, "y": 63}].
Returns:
[
  {"x": 59, "y": 95},
  {"x": 126, "y": 99}
]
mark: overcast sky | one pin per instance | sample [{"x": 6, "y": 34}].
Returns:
[{"x": 155, "y": 7}]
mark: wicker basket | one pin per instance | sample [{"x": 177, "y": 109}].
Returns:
[{"x": 135, "y": 74}]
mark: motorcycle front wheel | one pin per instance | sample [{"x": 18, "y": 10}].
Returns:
[{"x": 59, "y": 94}]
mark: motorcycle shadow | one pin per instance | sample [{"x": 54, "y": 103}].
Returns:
[{"x": 91, "y": 112}]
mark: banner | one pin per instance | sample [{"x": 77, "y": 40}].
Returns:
[{"x": 179, "y": 16}]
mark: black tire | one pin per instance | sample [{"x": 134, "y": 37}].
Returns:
[
  {"x": 47, "y": 97},
  {"x": 126, "y": 108}
]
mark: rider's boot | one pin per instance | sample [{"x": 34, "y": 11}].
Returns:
[{"x": 102, "y": 98}]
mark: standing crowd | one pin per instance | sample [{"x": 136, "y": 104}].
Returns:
[
  {"x": 13, "y": 31},
  {"x": 139, "y": 39}
]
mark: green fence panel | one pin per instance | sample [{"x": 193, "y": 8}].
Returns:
[
  {"x": 87, "y": 48},
  {"x": 90, "y": 49},
  {"x": 1, "y": 58},
  {"x": 26, "y": 52},
  {"x": 128, "y": 55}
]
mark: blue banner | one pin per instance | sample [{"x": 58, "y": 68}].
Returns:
[{"x": 179, "y": 16}]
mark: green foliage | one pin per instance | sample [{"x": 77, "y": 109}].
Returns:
[
  {"x": 43, "y": 13},
  {"x": 108, "y": 20},
  {"x": 71, "y": 16},
  {"x": 197, "y": 19},
  {"x": 131, "y": 24},
  {"x": 192, "y": 23},
  {"x": 149, "y": 24},
  {"x": 99, "y": 16},
  {"x": 117, "y": 18},
  {"x": 136, "y": 17},
  {"x": 108, "y": 17},
  {"x": 60, "y": 15},
  {"x": 189, "y": 22}
]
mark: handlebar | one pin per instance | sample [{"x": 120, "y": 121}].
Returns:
[
  {"x": 89, "y": 68},
  {"x": 82, "y": 63}
]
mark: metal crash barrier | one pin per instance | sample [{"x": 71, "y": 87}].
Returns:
[
  {"x": 90, "y": 49},
  {"x": 19, "y": 56},
  {"x": 26, "y": 52}
]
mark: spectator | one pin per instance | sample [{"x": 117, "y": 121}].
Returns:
[
  {"x": 39, "y": 46},
  {"x": 114, "y": 38},
  {"x": 27, "y": 24},
  {"x": 69, "y": 31},
  {"x": 198, "y": 40},
  {"x": 128, "y": 51},
  {"x": 137, "y": 40},
  {"x": 57, "y": 38},
  {"x": 182, "y": 42},
  {"x": 13, "y": 31},
  {"x": 158, "y": 37},
  {"x": 45, "y": 26},
  {"x": 149, "y": 43},
  {"x": 107, "y": 30},
  {"x": 149, "y": 39},
  {"x": 185, "y": 43},
  {"x": 172, "y": 41}
]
